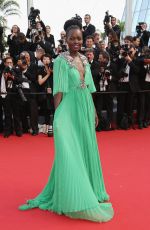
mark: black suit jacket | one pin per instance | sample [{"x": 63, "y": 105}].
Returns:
[
  {"x": 88, "y": 30},
  {"x": 133, "y": 74},
  {"x": 50, "y": 40},
  {"x": 95, "y": 73},
  {"x": 144, "y": 38},
  {"x": 117, "y": 30},
  {"x": 13, "y": 45}
]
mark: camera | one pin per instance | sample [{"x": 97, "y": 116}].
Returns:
[
  {"x": 20, "y": 92},
  {"x": 37, "y": 38},
  {"x": 107, "y": 18},
  {"x": 8, "y": 69},
  {"x": 126, "y": 50},
  {"x": 139, "y": 28},
  {"x": 106, "y": 21},
  {"x": 107, "y": 73},
  {"x": 123, "y": 74},
  {"x": 114, "y": 50},
  {"x": 62, "y": 45},
  {"x": 32, "y": 16}
]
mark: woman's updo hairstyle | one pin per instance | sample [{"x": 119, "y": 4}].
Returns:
[{"x": 72, "y": 24}]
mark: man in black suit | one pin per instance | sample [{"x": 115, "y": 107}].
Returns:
[
  {"x": 11, "y": 103},
  {"x": 115, "y": 27},
  {"x": 94, "y": 65},
  {"x": 29, "y": 72},
  {"x": 128, "y": 79},
  {"x": 88, "y": 29},
  {"x": 143, "y": 34}
]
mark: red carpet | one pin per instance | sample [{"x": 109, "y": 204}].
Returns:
[{"x": 24, "y": 169}]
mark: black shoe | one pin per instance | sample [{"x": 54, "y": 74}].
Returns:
[
  {"x": 98, "y": 129},
  {"x": 6, "y": 135},
  {"x": 145, "y": 125},
  {"x": 140, "y": 125},
  {"x": 34, "y": 133},
  {"x": 50, "y": 131},
  {"x": 19, "y": 134}
]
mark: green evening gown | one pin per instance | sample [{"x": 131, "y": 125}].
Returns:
[{"x": 75, "y": 187}]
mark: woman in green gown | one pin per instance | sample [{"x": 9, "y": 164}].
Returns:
[{"x": 75, "y": 187}]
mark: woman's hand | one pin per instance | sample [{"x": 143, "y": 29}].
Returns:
[
  {"x": 49, "y": 90},
  {"x": 48, "y": 70}
]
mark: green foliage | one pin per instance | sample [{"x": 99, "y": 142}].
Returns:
[{"x": 122, "y": 25}]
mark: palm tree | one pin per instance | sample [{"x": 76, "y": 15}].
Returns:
[
  {"x": 7, "y": 8},
  {"x": 122, "y": 27}
]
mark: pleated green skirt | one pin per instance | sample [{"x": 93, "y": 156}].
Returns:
[{"x": 75, "y": 187}]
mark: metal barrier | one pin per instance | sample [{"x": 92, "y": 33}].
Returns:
[{"x": 102, "y": 92}]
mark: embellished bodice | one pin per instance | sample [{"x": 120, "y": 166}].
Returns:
[
  {"x": 67, "y": 75},
  {"x": 74, "y": 67}
]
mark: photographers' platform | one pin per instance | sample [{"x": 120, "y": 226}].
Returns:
[{"x": 25, "y": 166}]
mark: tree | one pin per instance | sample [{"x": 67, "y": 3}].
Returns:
[
  {"x": 7, "y": 8},
  {"x": 122, "y": 27}
]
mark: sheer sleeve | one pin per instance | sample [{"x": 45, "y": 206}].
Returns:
[
  {"x": 60, "y": 76},
  {"x": 90, "y": 81}
]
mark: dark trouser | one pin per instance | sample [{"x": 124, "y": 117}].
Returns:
[
  {"x": 102, "y": 101},
  {"x": 105, "y": 100},
  {"x": 12, "y": 105},
  {"x": 1, "y": 115},
  {"x": 144, "y": 110},
  {"x": 141, "y": 97},
  {"x": 46, "y": 104},
  {"x": 30, "y": 109},
  {"x": 125, "y": 102}
]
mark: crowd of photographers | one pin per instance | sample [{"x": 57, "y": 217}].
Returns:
[{"x": 120, "y": 70}]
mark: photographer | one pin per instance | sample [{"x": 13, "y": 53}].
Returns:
[
  {"x": 29, "y": 73},
  {"x": 110, "y": 24},
  {"x": 11, "y": 103},
  {"x": 36, "y": 25},
  {"x": 12, "y": 41},
  {"x": 45, "y": 80},
  {"x": 23, "y": 45},
  {"x": 128, "y": 79},
  {"x": 40, "y": 42},
  {"x": 62, "y": 46},
  {"x": 113, "y": 46},
  {"x": 49, "y": 37},
  {"x": 143, "y": 109},
  {"x": 107, "y": 82},
  {"x": 143, "y": 34},
  {"x": 94, "y": 65}
]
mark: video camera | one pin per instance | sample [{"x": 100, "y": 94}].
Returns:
[
  {"x": 105, "y": 71},
  {"x": 32, "y": 16},
  {"x": 139, "y": 28},
  {"x": 8, "y": 69},
  {"x": 107, "y": 17},
  {"x": 106, "y": 21}
]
